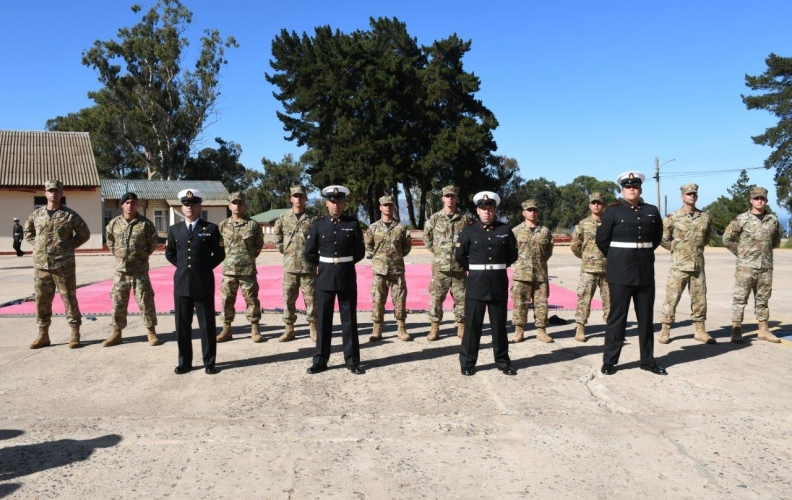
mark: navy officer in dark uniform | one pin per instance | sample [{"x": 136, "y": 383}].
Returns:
[
  {"x": 335, "y": 244},
  {"x": 485, "y": 249},
  {"x": 18, "y": 234},
  {"x": 628, "y": 235},
  {"x": 195, "y": 248}
]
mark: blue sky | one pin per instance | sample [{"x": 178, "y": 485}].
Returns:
[{"x": 579, "y": 87}]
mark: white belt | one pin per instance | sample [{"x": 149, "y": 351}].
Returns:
[
  {"x": 624, "y": 244},
  {"x": 486, "y": 267},
  {"x": 336, "y": 260}
]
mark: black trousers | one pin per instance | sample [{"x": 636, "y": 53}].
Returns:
[
  {"x": 205, "y": 309},
  {"x": 474, "y": 320},
  {"x": 347, "y": 305},
  {"x": 643, "y": 300},
  {"x": 18, "y": 247}
]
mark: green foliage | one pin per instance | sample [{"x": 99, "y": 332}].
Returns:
[
  {"x": 723, "y": 210},
  {"x": 219, "y": 164},
  {"x": 271, "y": 189},
  {"x": 575, "y": 196}
]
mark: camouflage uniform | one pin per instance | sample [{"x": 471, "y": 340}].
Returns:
[
  {"x": 243, "y": 242},
  {"x": 291, "y": 232},
  {"x": 387, "y": 245},
  {"x": 440, "y": 236},
  {"x": 530, "y": 280},
  {"x": 592, "y": 269},
  {"x": 132, "y": 242}
]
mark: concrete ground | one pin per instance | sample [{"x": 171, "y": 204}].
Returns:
[{"x": 117, "y": 423}]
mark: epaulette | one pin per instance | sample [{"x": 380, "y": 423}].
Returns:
[
  {"x": 321, "y": 217},
  {"x": 615, "y": 203}
]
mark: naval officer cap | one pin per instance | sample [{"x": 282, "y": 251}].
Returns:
[
  {"x": 188, "y": 196},
  {"x": 16, "y": 219},
  {"x": 758, "y": 192},
  {"x": 486, "y": 199},
  {"x": 689, "y": 188},
  {"x": 631, "y": 178},
  {"x": 335, "y": 192}
]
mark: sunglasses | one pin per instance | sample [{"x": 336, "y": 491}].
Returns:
[
  {"x": 759, "y": 198},
  {"x": 530, "y": 209}
]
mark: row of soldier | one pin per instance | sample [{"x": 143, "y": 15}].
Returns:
[{"x": 55, "y": 231}]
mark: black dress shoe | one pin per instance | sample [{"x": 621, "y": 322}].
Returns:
[
  {"x": 357, "y": 370},
  {"x": 210, "y": 370},
  {"x": 608, "y": 369},
  {"x": 654, "y": 368},
  {"x": 509, "y": 371},
  {"x": 314, "y": 369},
  {"x": 181, "y": 370},
  {"x": 468, "y": 372}
]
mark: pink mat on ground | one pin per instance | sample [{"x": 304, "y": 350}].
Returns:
[{"x": 95, "y": 298}]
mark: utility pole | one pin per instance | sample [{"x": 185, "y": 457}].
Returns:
[{"x": 657, "y": 176}]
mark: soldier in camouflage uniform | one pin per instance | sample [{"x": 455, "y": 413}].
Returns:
[
  {"x": 592, "y": 266},
  {"x": 291, "y": 230},
  {"x": 243, "y": 240},
  {"x": 387, "y": 243},
  {"x": 132, "y": 238},
  {"x": 752, "y": 236},
  {"x": 55, "y": 231},
  {"x": 685, "y": 234},
  {"x": 440, "y": 236},
  {"x": 530, "y": 280}
]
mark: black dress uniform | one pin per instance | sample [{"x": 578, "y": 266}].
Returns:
[
  {"x": 195, "y": 255},
  {"x": 628, "y": 237},
  {"x": 18, "y": 234},
  {"x": 479, "y": 247},
  {"x": 335, "y": 244}
]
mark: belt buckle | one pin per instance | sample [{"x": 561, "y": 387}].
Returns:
[
  {"x": 336, "y": 260},
  {"x": 640, "y": 245},
  {"x": 488, "y": 267}
]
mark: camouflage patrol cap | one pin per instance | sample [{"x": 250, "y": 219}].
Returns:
[
  {"x": 53, "y": 184},
  {"x": 297, "y": 190},
  {"x": 758, "y": 191},
  {"x": 128, "y": 196},
  {"x": 529, "y": 204},
  {"x": 237, "y": 196},
  {"x": 451, "y": 190},
  {"x": 387, "y": 199},
  {"x": 689, "y": 188},
  {"x": 595, "y": 196}
]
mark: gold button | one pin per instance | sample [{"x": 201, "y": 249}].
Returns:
[
  {"x": 188, "y": 265},
  {"x": 490, "y": 258},
  {"x": 188, "y": 258}
]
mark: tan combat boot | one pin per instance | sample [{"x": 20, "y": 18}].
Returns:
[
  {"x": 460, "y": 330},
  {"x": 152, "y": 337},
  {"x": 580, "y": 332},
  {"x": 43, "y": 338},
  {"x": 255, "y": 333},
  {"x": 434, "y": 332},
  {"x": 403, "y": 335},
  {"x": 702, "y": 335},
  {"x": 376, "y": 332},
  {"x": 114, "y": 338},
  {"x": 288, "y": 335},
  {"x": 766, "y": 335},
  {"x": 75, "y": 337},
  {"x": 736, "y": 334},
  {"x": 541, "y": 334},
  {"x": 665, "y": 334},
  {"x": 518, "y": 337},
  {"x": 225, "y": 333},
  {"x": 312, "y": 330}
]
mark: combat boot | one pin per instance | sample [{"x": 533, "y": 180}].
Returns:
[
  {"x": 518, "y": 337},
  {"x": 665, "y": 334},
  {"x": 43, "y": 338},
  {"x": 766, "y": 335},
  {"x": 434, "y": 332},
  {"x": 75, "y": 337},
  {"x": 225, "y": 333},
  {"x": 312, "y": 330},
  {"x": 114, "y": 338},
  {"x": 460, "y": 330},
  {"x": 255, "y": 333},
  {"x": 376, "y": 332},
  {"x": 541, "y": 334},
  {"x": 736, "y": 334},
  {"x": 403, "y": 335},
  {"x": 288, "y": 335},
  {"x": 580, "y": 333},
  {"x": 152, "y": 337},
  {"x": 702, "y": 335}
]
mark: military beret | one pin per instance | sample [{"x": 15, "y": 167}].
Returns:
[
  {"x": 529, "y": 204},
  {"x": 758, "y": 191},
  {"x": 689, "y": 188},
  {"x": 53, "y": 184},
  {"x": 128, "y": 196}
]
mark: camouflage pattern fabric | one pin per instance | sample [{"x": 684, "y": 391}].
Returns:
[
  {"x": 131, "y": 242},
  {"x": 584, "y": 246},
  {"x": 380, "y": 285},
  {"x": 64, "y": 280},
  {"x": 123, "y": 283},
  {"x": 439, "y": 285},
  {"x": 676, "y": 284},
  {"x": 243, "y": 242},
  {"x": 250, "y": 289},
  {"x": 292, "y": 283},
  {"x": 534, "y": 248},
  {"x": 588, "y": 284},
  {"x": 440, "y": 235},
  {"x": 290, "y": 235},
  {"x": 387, "y": 245},
  {"x": 524, "y": 293},
  {"x": 753, "y": 240},
  {"x": 758, "y": 281},
  {"x": 55, "y": 238}
]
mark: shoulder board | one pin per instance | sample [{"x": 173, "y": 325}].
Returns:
[
  {"x": 321, "y": 217},
  {"x": 615, "y": 203}
]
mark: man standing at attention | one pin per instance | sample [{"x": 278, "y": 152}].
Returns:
[
  {"x": 291, "y": 230},
  {"x": 195, "y": 248},
  {"x": 440, "y": 235},
  {"x": 752, "y": 236},
  {"x": 55, "y": 231},
  {"x": 131, "y": 238},
  {"x": 243, "y": 240},
  {"x": 685, "y": 234},
  {"x": 18, "y": 233},
  {"x": 592, "y": 266},
  {"x": 531, "y": 283},
  {"x": 387, "y": 243}
]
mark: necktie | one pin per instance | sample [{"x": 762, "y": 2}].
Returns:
[{"x": 189, "y": 229}]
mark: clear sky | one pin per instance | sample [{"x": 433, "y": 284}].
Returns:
[{"x": 579, "y": 87}]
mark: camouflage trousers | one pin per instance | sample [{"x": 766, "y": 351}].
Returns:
[
  {"x": 44, "y": 285},
  {"x": 585, "y": 291},
  {"x": 758, "y": 281},
  {"x": 380, "y": 285},
  {"x": 123, "y": 283},
  {"x": 677, "y": 282},
  {"x": 292, "y": 284},
  {"x": 250, "y": 290},
  {"x": 525, "y": 292},
  {"x": 440, "y": 284}
]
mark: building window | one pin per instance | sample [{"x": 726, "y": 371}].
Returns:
[
  {"x": 108, "y": 216},
  {"x": 159, "y": 221},
  {"x": 41, "y": 201}
]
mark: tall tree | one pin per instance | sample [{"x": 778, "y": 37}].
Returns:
[
  {"x": 576, "y": 199},
  {"x": 270, "y": 189},
  {"x": 725, "y": 208},
  {"x": 776, "y": 83},
  {"x": 219, "y": 164},
  {"x": 161, "y": 109}
]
